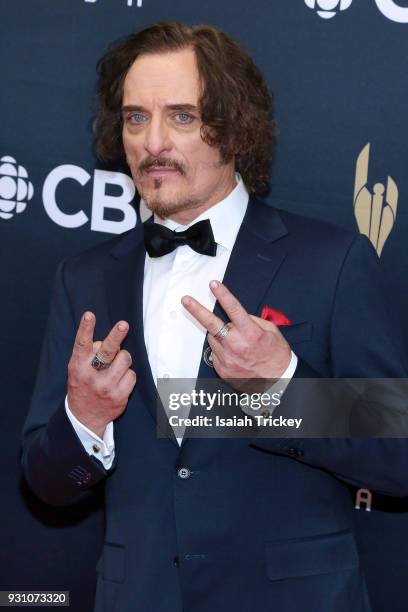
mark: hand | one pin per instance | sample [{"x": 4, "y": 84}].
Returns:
[
  {"x": 97, "y": 397},
  {"x": 253, "y": 348}
]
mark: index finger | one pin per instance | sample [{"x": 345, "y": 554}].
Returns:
[
  {"x": 84, "y": 337},
  {"x": 111, "y": 345},
  {"x": 204, "y": 316},
  {"x": 232, "y": 306}
]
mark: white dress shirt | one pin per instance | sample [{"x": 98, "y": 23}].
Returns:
[{"x": 174, "y": 339}]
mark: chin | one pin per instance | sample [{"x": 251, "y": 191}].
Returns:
[
  {"x": 164, "y": 209},
  {"x": 167, "y": 205}
]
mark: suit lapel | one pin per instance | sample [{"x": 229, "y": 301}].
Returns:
[
  {"x": 257, "y": 255},
  {"x": 124, "y": 292}
]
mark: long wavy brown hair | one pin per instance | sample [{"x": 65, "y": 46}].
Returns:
[{"x": 235, "y": 104}]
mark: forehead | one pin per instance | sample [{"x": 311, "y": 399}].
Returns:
[{"x": 163, "y": 78}]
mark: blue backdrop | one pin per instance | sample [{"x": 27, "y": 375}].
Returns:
[{"x": 338, "y": 72}]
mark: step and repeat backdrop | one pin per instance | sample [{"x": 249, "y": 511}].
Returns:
[{"x": 337, "y": 69}]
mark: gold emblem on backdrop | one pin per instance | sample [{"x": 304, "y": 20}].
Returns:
[{"x": 375, "y": 211}]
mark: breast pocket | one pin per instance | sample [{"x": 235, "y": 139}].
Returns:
[
  {"x": 297, "y": 332},
  {"x": 323, "y": 554}
]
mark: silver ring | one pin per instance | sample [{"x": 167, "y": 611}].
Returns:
[
  {"x": 224, "y": 331},
  {"x": 99, "y": 364}
]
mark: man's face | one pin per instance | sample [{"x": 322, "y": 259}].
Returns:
[{"x": 174, "y": 170}]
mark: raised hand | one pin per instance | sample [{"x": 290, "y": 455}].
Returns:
[
  {"x": 251, "y": 349},
  {"x": 97, "y": 397}
]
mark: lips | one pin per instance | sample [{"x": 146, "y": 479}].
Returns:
[
  {"x": 156, "y": 170},
  {"x": 161, "y": 173}
]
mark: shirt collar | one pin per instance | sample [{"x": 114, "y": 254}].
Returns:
[{"x": 225, "y": 217}]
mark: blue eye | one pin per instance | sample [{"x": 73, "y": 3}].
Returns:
[
  {"x": 137, "y": 118},
  {"x": 184, "y": 117}
]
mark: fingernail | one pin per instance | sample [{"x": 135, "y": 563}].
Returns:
[
  {"x": 214, "y": 284},
  {"x": 87, "y": 316},
  {"x": 122, "y": 327},
  {"x": 185, "y": 301}
]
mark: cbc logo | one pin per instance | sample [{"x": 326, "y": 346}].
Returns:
[
  {"x": 15, "y": 188},
  {"x": 393, "y": 10},
  {"x": 112, "y": 194},
  {"x": 329, "y": 8}
]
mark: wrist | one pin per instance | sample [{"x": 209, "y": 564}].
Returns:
[{"x": 95, "y": 426}]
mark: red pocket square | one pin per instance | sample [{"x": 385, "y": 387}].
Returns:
[{"x": 276, "y": 316}]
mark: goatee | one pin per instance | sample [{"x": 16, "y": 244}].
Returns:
[{"x": 164, "y": 209}]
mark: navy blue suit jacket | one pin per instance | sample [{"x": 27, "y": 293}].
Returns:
[{"x": 260, "y": 524}]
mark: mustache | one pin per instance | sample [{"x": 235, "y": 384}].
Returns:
[{"x": 163, "y": 162}]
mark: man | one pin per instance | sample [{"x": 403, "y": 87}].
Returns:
[{"x": 205, "y": 525}]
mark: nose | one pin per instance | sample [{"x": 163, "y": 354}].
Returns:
[{"x": 157, "y": 138}]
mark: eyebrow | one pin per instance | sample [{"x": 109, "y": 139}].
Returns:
[{"x": 172, "y": 107}]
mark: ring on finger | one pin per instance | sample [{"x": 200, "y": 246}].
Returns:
[
  {"x": 98, "y": 363},
  {"x": 223, "y": 332}
]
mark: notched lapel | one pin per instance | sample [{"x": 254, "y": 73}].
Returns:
[
  {"x": 124, "y": 293},
  {"x": 257, "y": 255}
]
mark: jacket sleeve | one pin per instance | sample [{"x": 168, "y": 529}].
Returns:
[
  {"x": 365, "y": 343},
  {"x": 55, "y": 464}
]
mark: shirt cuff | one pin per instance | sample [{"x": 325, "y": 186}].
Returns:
[
  {"x": 276, "y": 390},
  {"x": 290, "y": 370},
  {"x": 101, "y": 448},
  {"x": 280, "y": 386}
]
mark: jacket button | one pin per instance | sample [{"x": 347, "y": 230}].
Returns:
[
  {"x": 184, "y": 473},
  {"x": 176, "y": 561}
]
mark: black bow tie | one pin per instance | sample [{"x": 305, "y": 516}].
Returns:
[{"x": 160, "y": 240}]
